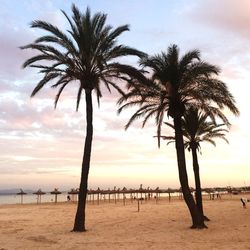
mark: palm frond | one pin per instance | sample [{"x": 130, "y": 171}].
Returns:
[
  {"x": 79, "y": 95},
  {"x": 44, "y": 81},
  {"x": 59, "y": 94}
]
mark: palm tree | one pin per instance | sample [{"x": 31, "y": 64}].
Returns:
[
  {"x": 175, "y": 83},
  {"x": 86, "y": 56},
  {"x": 196, "y": 129}
]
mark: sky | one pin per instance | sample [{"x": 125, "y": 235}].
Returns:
[{"x": 41, "y": 147}]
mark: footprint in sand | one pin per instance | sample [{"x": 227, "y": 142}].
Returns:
[{"x": 41, "y": 239}]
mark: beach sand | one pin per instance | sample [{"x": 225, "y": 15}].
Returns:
[{"x": 114, "y": 226}]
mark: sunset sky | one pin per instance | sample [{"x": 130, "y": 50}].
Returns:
[{"x": 42, "y": 148}]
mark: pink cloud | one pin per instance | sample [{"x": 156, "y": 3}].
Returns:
[
  {"x": 229, "y": 15},
  {"x": 12, "y": 57}
]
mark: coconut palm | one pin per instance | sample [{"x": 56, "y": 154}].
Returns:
[
  {"x": 84, "y": 57},
  {"x": 198, "y": 128},
  {"x": 175, "y": 83}
]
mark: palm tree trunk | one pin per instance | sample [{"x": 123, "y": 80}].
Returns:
[
  {"x": 197, "y": 218},
  {"x": 79, "y": 225},
  {"x": 198, "y": 194}
]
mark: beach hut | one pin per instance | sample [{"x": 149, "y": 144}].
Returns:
[
  {"x": 21, "y": 193},
  {"x": 39, "y": 194},
  {"x": 56, "y": 192}
]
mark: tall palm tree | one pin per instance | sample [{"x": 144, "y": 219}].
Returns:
[
  {"x": 198, "y": 128},
  {"x": 176, "y": 82},
  {"x": 85, "y": 57}
]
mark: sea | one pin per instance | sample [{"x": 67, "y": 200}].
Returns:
[
  {"x": 30, "y": 198},
  {"x": 46, "y": 198}
]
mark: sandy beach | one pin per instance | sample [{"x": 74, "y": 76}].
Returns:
[{"x": 114, "y": 226}]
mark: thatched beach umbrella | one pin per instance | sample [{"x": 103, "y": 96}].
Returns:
[
  {"x": 157, "y": 193},
  {"x": 169, "y": 191},
  {"x": 124, "y": 191},
  {"x": 73, "y": 192},
  {"x": 180, "y": 194},
  {"x": 131, "y": 192},
  {"x": 114, "y": 192},
  {"x": 147, "y": 193},
  {"x": 118, "y": 194},
  {"x": 141, "y": 190},
  {"x": 87, "y": 197},
  {"x": 56, "y": 192},
  {"x": 39, "y": 194},
  {"x": 21, "y": 193},
  {"x": 109, "y": 194},
  {"x": 92, "y": 192},
  {"x": 98, "y": 191}
]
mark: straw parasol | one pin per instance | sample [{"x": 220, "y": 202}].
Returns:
[
  {"x": 73, "y": 192},
  {"x": 21, "y": 193},
  {"x": 98, "y": 191},
  {"x": 124, "y": 191},
  {"x": 118, "y": 194},
  {"x": 56, "y": 192},
  {"x": 39, "y": 194},
  {"x": 114, "y": 192},
  {"x": 169, "y": 191},
  {"x": 92, "y": 194},
  {"x": 157, "y": 194},
  {"x": 109, "y": 192}
]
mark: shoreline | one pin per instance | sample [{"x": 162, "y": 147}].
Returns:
[{"x": 105, "y": 197}]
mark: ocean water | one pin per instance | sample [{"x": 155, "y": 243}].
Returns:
[{"x": 30, "y": 198}]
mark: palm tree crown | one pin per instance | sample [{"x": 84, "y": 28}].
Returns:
[
  {"x": 86, "y": 54},
  {"x": 197, "y": 128},
  {"x": 176, "y": 83}
]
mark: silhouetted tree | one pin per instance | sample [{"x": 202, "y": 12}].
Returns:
[
  {"x": 174, "y": 84},
  {"x": 86, "y": 56},
  {"x": 197, "y": 128}
]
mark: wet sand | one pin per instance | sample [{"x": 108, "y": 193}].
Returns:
[{"x": 114, "y": 226}]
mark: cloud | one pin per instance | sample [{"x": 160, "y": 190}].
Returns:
[
  {"x": 40, "y": 144},
  {"x": 12, "y": 57},
  {"x": 228, "y": 15},
  {"x": 220, "y": 30}
]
